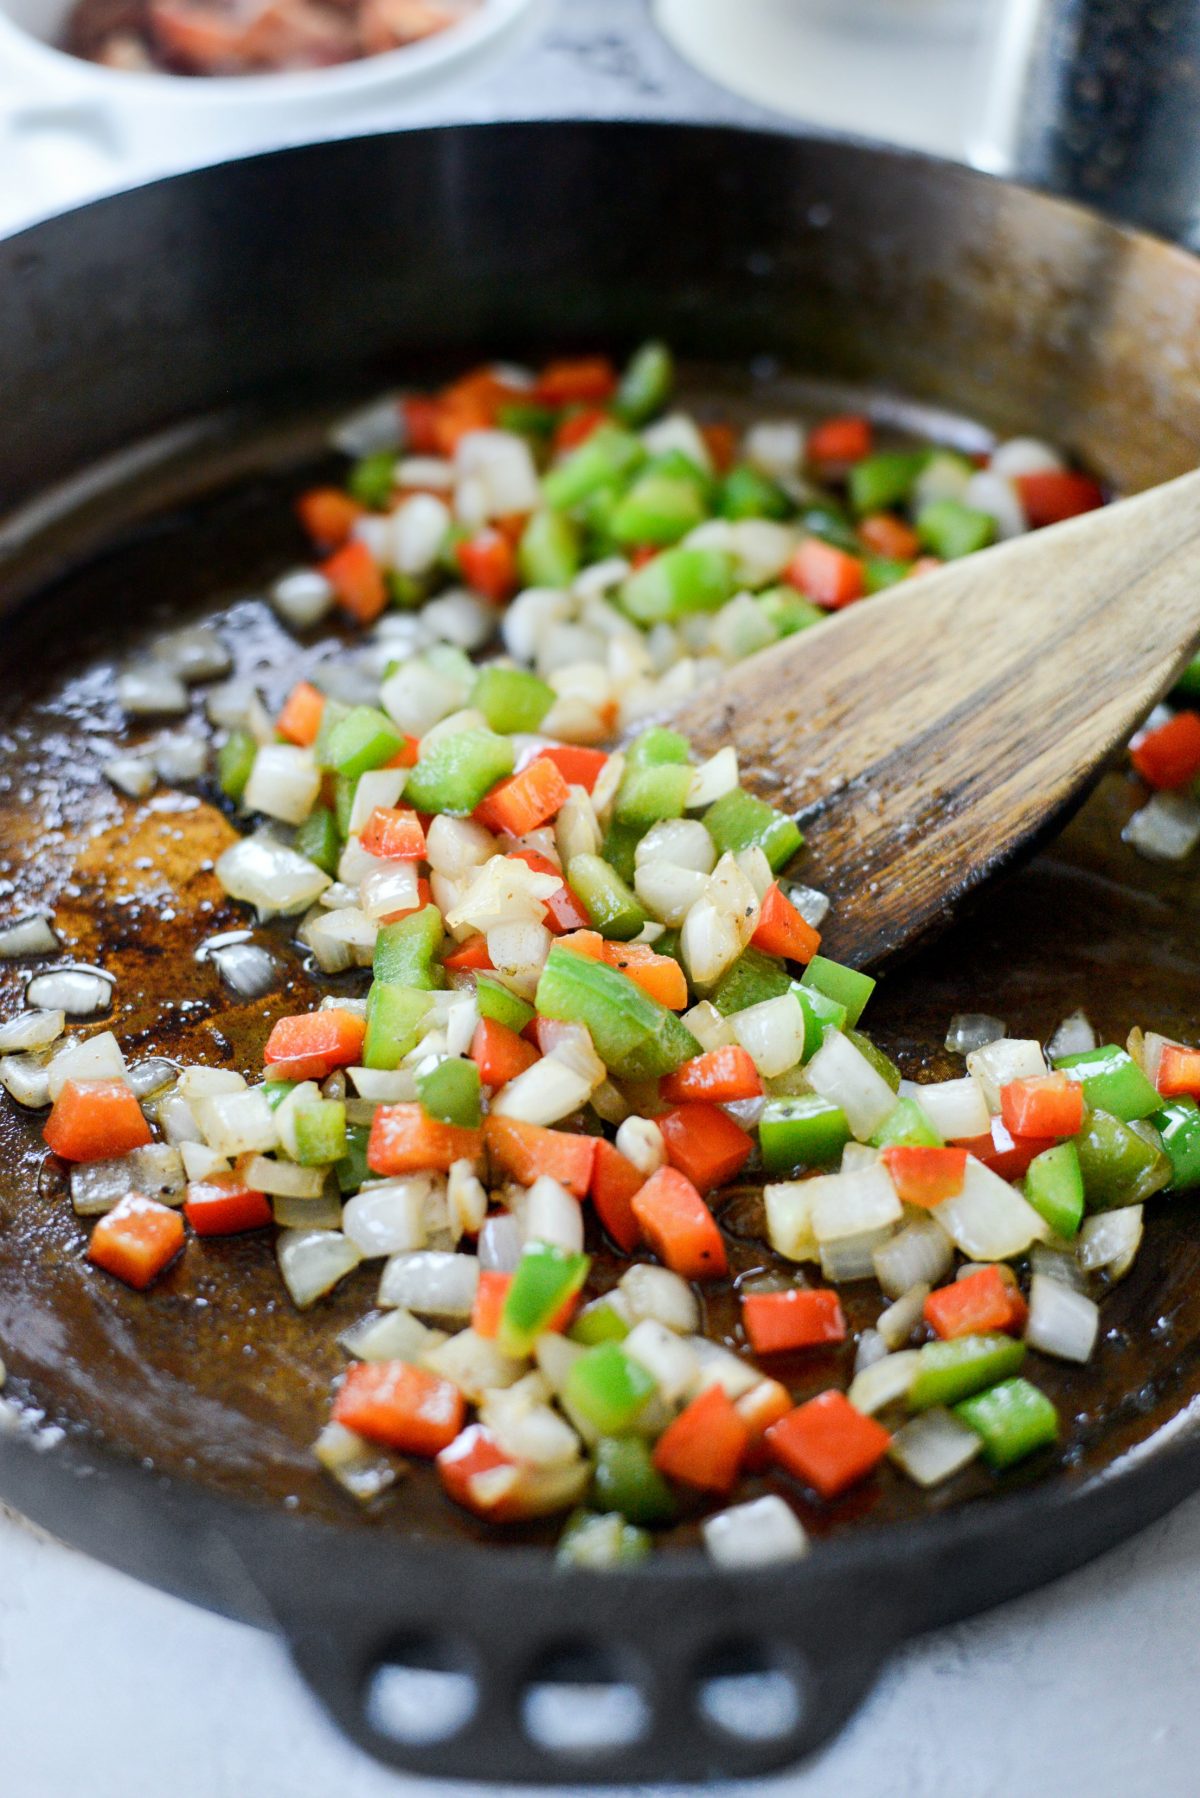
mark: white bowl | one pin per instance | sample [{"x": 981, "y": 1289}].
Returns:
[{"x": 143, "y": 124}]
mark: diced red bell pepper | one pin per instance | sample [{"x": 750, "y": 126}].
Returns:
[
  {"x": 718, "y": 1077},
  {"x": 223, "y": 1205},
  {"x": 471, "y": 955},
  {"x": 615, "y": 1180},
  {"x": 1053, "y": 494},
  {"x": 400, "y": 1406},
  {"x": 578, "y": 766},
  {"x": 645, "y": 552},
  {"x": 978, "y": 1303},
  {"x": 829, "y": 576},
  {"x": 776, "y": 1322},
  {"x": 1169, "y": 756},
  {"x": 300, "y": 719},
  {"x": 424, "y": 898},
  {"x": 95, "y": 1120},
  {"x": 1178, "y": 1072},
  {"x": 136, "y": 1240},
  {"x": 490, "y": 1295},
  {"x": 579, "y": 380},
  {"x": 404, "y": 1139},
  {"x": 705, "y": 1144},
  {"x": 577, "y": 427},
  {"x": 523, "y": 1151},
  {"x": 393, "y": 834},
  {"x": 525, "y": 800},
  {"x": 1006, "y": 1154},
  {"x": 420, "y": 414},
  {"x": 924, "y": 565},
  {"x": 328, "y": 516},
  {"x": 311, "y": 1044},
  {"x": 883, "y": 534},
  {"x": 759, "y": 1408},
  {"x": 564, "y": 909},
  {"x": 477, "y": 1474},
  {"x": 925, "y": 1176},
  {"x": 500, "y": 1053},
  {"x": 584, "y": 942},
  {"x": 679, "y": 1227},
  {"x": 782, "y": 931},
  {"x": 720, "y": 440},
  {"x": 828, "y": 1444},
  {"x": 489, "y": 565},
  {"x": 406, "y": 757},
  {"x": 659, "y": 975},
  {"x": 840, "y": 440},
  {"x": 705, "y": 1445},
  {"x": 357, "y": 581},
  {"x": 1042, "y": 1105}
]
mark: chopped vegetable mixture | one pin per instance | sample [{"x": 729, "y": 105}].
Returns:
[{"x": 575, "y": 987}]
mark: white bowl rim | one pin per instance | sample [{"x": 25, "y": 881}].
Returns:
[{"x": 407, "y": 61}]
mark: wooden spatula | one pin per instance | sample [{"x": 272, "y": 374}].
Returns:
[{"x": 928, "y": 738}]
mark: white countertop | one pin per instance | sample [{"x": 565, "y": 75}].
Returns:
[{"x": 111, "y": 1689}]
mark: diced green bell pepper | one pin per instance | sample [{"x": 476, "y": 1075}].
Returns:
[
  {"x": 657, "y": 747},
  {"x": 395, "y": 1023},
  {"x": 620, "y": 849},
  {"x": 1178, "y": 1124},
  {"x": 678, "y": 582},
  {"x": 658, "y": 509},
  {"x": 949, "y": 529},
  {"x": 748, "y": 493},
  {"x": 1054, "y": 1187},
  {"x": 1112, "y": 1081},
  {"x": 599, "y": 1539},
  {"x": 276, "y": 1091},
  {"x": 610, "y": 455},
  {"x": 598, "y": 1322},
  {"x": 235, "y": 763},
  {"x": 808, "y": 1131},
  {"x": 549, "y": 552},
  {"x": 832, "y": 526},
  {"x": 753, "y": 977},
  {"x": 635, "y": 1036},
  {"x": 821, "y": 1015},
  {"x": 453, "y": 773},
  {"x": 332, "y": 715},
  {"x": 320, "y": 1128},
  {"x": 344, "y": 789},
  {"x": 906, "y": 1125},
  {"x": 545, "y": 1278},
  {"x": 450, "y": 1091},
  {"x": 608, "y": 1389},
  {"x": 611, "y": 907},
  {"x": 626, "y": 1480},
  {"x": 949, "y": 1371},
  {"x": 645, "y": 386},
  {"x": 1119, "y": 1166},
  {"x": 789, "y": 611},
  {"x": 846, "y": 985},
  {"x": 647, "y": 795},
  {"x": 318, "y": 839},
  {"x": 884, "y": 571},
  {"x": 511, "y": 699},
  {"x": 373, "y": 478},
  {"x": 406, "y": 951},
  {"x": 1188, "y": 684},
  {"x": 880, "y": 482},
  {"x": 740, "y": 821},
  {"x": 883, "y": 1064},
  {"x": 527, "y": 419},
  {"x": 495, "y": 1001},
  {"x": 1013, "y": 1419},
  {"x": 407, "y": 591},
  {"x": 365, "y": 738},
  {"x": 352, "y": 1171}
]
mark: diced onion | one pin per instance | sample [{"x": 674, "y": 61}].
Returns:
[
  {"x": 384, "y": 1087},
  {"x": 302, "y": 598},
  {"x": 1058, "y": 1264},
  {"x": 710, "y": 941},
  {"x": 431, "y": 1283},
  {"x": 997, "y": 495},
  {"x": 152, "y": 1076},
  {"x": 29, "y": 935},
  {"x": 1109, "y": 1240},
  {"x": 920, "y": 1254},
  {"x": 957, "y": 1109},
  {"x": 1024, "y": 455},
  {"x": 969, "y": 1030},
  {"x": 665, "y": 1356},
  {"x": 775, "y": 446},
  {"x": 79, "y": 992},
  {"x": 200, "y": 1082},
  {"x": 789, "y": 1206},
  {"x": 810, "y": 902},
  {"x": 532, "y": 1433},
  {"x": 989, "y": 1220},
  {"x": 321, "y": 1213},
  {"x": 388, "y": 1217},
  {"x": 313, "y": 1261},
  {"x": 473, "y": 1363},
  {"x": 25, "y": 1080},
  {"x": 132, "y": 775},
  {"x": 418, "y": 529},
  {"x": 377, "y": 787},
  {"x": 757, "y": 1534},
  {"x": 898, "y": 1320},
  {"x": 713, "y": 778},
  {"x": 500, "y": 1244},
  {"x": 267, "y": 874},
  {"x": 934, "y": 1446},
  {"x": 641, "y": 1141},
  {"x": 390, "y": 1336},
  {"x": 370, "y": 429},
  {"x": 31, "y": 1030},
  {"x": 284, "y": 783},
  {"x": 546, "y": 1092},
  {"x": 658, "y": 1293},
  {"x": 1061, "y": 1322},
  {"x": 716, "y": 1366},
  {"x": 97, "y": 1058},
  {"x": 1010, "y": 1058},
  {"x": 844, "y": 1076},
  {"x": 362, "y": 1469},
  {"x": 151, "y": 691},
  {"x": 1166, "y": 829},
  {"x": 883, "y": 1382},
  {"x": 200, "y": 1162},
  {"x": 681, "y": 842},
  {"x": 392, "y": 889},
  {"x": 1074, "y": 1036},
  {"x": 772, "y": 1033},
  {"x": 155, "y": 1171},
  {"x": 282, "y": 1179},
  {"x": 236, "y": 1123},
  {"x": 669, "y": 893},
  {"x": 553, "y": 1216},
  {"x": 194, "y": 653}
]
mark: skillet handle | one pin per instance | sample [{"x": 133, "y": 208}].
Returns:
[{"x": 510, "y": 1624}]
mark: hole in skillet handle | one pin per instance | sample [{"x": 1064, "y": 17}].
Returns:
[{"x": 594, "y": 1678}]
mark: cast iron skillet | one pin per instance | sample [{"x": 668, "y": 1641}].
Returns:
[{"x": 154, "y": 345}]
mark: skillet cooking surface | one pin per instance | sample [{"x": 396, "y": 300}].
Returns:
[{"x": 215, "y": 1376}]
